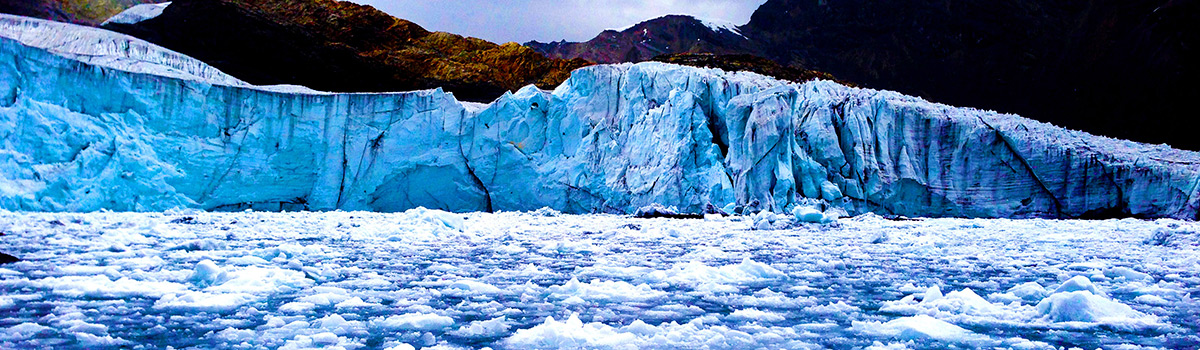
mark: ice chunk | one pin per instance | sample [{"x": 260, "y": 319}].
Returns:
[
  {"x": 1083, "y": 306},
  {"x": 808, "y": 214},
  {"x": 189, "y": 302},
  {"x": 966, "y": 301},
  {"x": 100, "y": 341},
  {"x": 324, "y": 298},
  {"x": 448, "y": 220},
  {"x": 297, "y": 307},
  {"x": 1079, "y": 283},
  {"x": 260, "y": 280},
  {"x": 414, "y": 322},
  {"x": 473, "y": 287},
  {"x": 932, "y": 294},
  {"x": 207, "y": 273},
  {"x": 99, "y": 286},
  {"x": 570, "y": 333},
  {"x": 401, "y": 346},
  {"x": 23, "y": 331},
  {"x": 919, "y": 328},
  {"x": 747, "y": 272},
  {"x": 605, "y": 291},
  {"x": 484, "y": 329},
  {"x": 1126, "y": 273},
  {"x": 355, "y": 302},
  {"x": 1029, "y": 291},
  {"x": 755, "y": 315},
  {"x": 338, "y": 325},
  {"x": 833, "y": 308},
  {"x": 1152, "y": 300}
]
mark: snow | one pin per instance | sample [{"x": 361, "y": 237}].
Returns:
[
  {"x": 714, "y": 283},
  {"x": 138, "y": 13},
  {"x": 720, "y": 26},
  {"x": 715, "y": 25}
]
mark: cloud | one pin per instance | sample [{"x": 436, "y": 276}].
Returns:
[{"x": 550, "y": 20}]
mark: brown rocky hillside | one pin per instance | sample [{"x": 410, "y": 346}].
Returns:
[
  {"x": 343, "y": 47},
  {"x": 86, "y": 12}
]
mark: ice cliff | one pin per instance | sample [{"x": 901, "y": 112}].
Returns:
[{"x": 92, "y": 120}]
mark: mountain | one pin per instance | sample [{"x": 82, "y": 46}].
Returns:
[
  {"x": 340, "y": 46},
  {"x": 643, "y": 41},
  {"x": 1116, "y": 68},
  {"x": 97, "y": 120},
  {"x": 86, "y": 12}
]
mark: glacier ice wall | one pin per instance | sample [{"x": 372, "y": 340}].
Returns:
[{"x": 89, "y": 125}]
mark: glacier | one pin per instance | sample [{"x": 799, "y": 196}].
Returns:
[{"x": 94, "y": 120}]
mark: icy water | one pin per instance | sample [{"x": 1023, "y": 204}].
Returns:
[{"x": 430, "y": 279}]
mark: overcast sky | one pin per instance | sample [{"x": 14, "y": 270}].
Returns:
[{"x": 552, "y": 20}]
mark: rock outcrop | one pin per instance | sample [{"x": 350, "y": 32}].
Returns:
[{"x": 149, "y": 129}]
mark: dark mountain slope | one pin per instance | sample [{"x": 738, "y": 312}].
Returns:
[{"x": 1123, "y": 69}]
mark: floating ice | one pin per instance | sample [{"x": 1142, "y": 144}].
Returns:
[
  {"x": 598, "y": 291},
  {"x": 100, "y": 286},
  {"x": 191, "y": 302},
  {"x": 920, "y": 328},
  {"x": 1083, "y": 306},
  {"x": 1029, "y": 291},
  {"x": 713, "y": 284},
  {"x": 1078, "y": 283},
  {"x": 755, "y": 315},
  {"x": 694, "y": 273},
  {"x": 414, "y": 322},
  {"x": 571, "y": 333},
  {"x": 207, "y": 273},
  {"x": 484, "y": 329}
]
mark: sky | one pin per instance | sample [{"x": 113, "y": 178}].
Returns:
[{"x": 552, "y": 20}]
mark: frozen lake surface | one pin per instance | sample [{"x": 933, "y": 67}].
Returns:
[{"x": 426, "y": 278}]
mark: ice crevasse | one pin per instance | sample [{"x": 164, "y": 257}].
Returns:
[{"x": 91, "y": 119}]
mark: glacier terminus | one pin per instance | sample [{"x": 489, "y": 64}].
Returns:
[{"x": 97, "y": 120}]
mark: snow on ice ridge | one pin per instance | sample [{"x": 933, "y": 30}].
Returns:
[
  {"x": 610, "y": 139},
  {"x": 138, "y": 13},
  {"x": 104, "y": 48}
]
